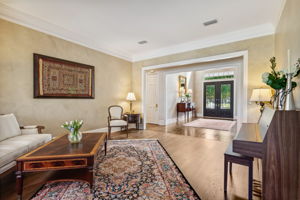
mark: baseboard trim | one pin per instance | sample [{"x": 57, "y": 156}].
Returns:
[
  {"x": 105, "y": 129},
  {"x": 174, "y": 120}
]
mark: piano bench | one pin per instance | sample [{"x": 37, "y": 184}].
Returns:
[{"x": 232, "y": 157}]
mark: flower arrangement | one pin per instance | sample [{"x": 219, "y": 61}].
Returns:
[
  {"x": 277, "y": 79},
  {"x": 188, "y": 95},
  {"x": 74, "y": 127},
  {"x": 294, "y": 70}
]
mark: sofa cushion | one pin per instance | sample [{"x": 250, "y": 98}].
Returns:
[
  {"x": 12, "y": 148},
  {"x": 7, "y": 167},
  {"x": 9, "y": 152},
  {"x": 9, "y": 126},
  {"x": 31, "y": 141}
]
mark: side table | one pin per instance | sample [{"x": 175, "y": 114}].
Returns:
[{"x": 134, "y": 118}]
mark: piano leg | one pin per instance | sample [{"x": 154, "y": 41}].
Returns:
[{"x": 250, "y": 180}]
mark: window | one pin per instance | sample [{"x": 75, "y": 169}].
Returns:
[{"x": 219, "y": 75}]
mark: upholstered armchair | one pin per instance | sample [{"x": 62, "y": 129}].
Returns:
[{"x": 116, "y": 119}]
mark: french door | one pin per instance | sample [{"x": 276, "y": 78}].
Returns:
[{"x": 218, "y": 99}]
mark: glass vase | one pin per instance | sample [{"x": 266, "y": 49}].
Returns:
[
  {"x": 75, "y": 137},
  {"x": 281, "y": 99},
  {"x": 275, "y": 100}
]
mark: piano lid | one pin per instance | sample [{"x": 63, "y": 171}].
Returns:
[{"x": 265, "y": 121}]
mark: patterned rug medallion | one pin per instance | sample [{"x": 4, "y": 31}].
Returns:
[{"x": 132, "y": 169}]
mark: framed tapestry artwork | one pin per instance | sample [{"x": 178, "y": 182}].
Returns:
[{"x": 57, "y": 78}]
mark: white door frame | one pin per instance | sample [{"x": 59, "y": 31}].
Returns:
[{"x": 243, "y": 54}]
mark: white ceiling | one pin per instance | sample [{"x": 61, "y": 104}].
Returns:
[{"x": 169, "y": 26}]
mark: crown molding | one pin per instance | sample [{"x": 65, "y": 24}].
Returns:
[
  {"x": 41, "y": 25},
  {"x": 244, "y": 34}
]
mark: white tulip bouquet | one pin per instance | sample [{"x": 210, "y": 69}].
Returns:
[{"x": 73, "y": 126}]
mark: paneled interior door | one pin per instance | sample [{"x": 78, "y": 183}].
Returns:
[
  {"x": 218, "y": 99},
  {"x": 152, "y": 93}
]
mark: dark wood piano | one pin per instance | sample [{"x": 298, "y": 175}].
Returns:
[{"x": 275, "y": 140}]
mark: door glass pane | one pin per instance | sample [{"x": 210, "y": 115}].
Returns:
[
  {"x": 210, "y": 91},
  {"x": 225, "y": 96}
]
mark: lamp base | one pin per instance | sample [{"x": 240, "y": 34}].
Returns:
[
  {"x": 262, "y": 106},
  {"x": 130, "y": 107}
]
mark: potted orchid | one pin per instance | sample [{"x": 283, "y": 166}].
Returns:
[
  {"x": 73, "y": 127},
  {"x": 275, "y": 79},
  {"x": 278, "y": 81}
]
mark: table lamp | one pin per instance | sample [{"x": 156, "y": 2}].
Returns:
[
  {"x": 130, "y": 97},
  {"x": 261, "y": 96}
]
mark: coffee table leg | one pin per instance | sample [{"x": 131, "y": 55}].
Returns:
[
  {"x": 91, "y": 176},
  {"x": 19, "y": 184},
  {"x": 105, "y": 145}
]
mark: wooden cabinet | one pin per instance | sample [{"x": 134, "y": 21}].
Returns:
[{"x": 281, "y": 157}]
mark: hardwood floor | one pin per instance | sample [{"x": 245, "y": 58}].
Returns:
[{"x": 197, "y": 152}]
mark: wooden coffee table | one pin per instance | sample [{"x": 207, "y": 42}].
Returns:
[{"x": 60, "y": 154}]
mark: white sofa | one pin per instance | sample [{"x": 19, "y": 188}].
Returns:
[{"x": 16, "y": 141}]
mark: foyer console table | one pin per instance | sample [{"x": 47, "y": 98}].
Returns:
[
  {"x": 275, "y": 140},
  {"x": 186, "y": 108}
]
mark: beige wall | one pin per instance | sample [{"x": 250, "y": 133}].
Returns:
[
  {"x": 288, "y": 37},
  {"x": 172, "y": 93},
  {"x": 17, "y": 45},
  {"x": 260, "y": 50}
]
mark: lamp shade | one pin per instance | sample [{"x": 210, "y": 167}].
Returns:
[
  {"x": 130, "y": 96},
  {"x": 261, "y": 95}
]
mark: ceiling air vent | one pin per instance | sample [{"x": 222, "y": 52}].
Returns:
[
  {"x": 210, "y": 22},
  {"x": 142, "y": 42}
]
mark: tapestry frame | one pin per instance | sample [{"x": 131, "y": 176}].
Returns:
[{"x": 37, "y": 77}]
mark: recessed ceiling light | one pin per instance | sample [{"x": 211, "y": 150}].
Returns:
[
  {"x": 142, "y": 42},
  {"x": 210, "y": 22}
]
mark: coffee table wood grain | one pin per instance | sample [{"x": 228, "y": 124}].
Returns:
[{"x": 60, "y": 154}]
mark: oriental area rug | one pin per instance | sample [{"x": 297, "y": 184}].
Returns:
[{"x": 132, "y": 169}]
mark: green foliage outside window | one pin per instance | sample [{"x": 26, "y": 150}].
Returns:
[
  {"x": 219, "y": 77},
  {"x": 225, "y": 96}
]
